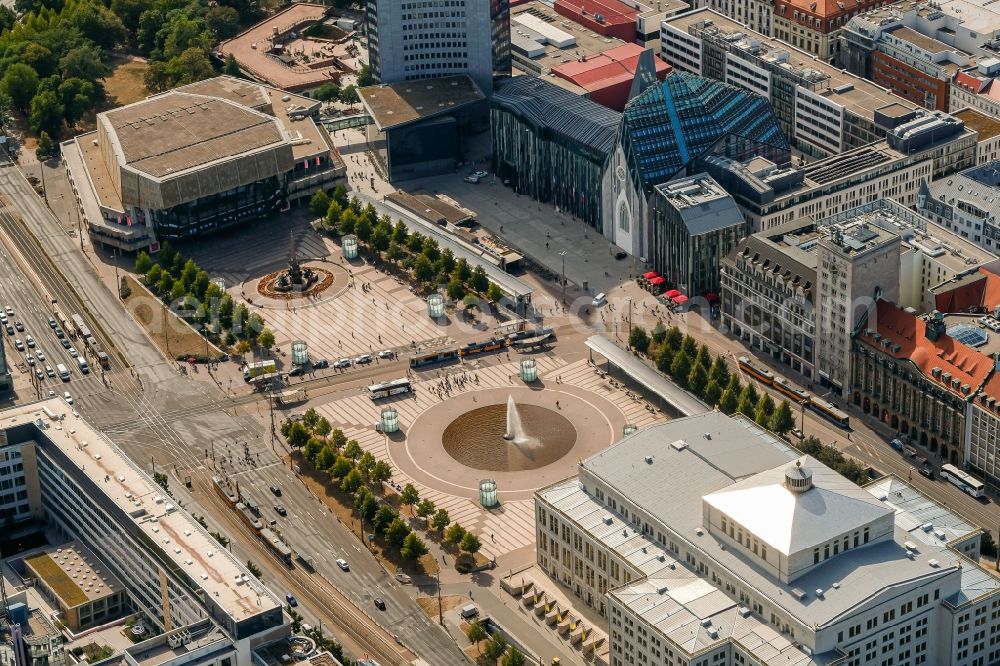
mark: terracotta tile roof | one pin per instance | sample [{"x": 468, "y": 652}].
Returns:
[
  {"x": 991, "y": 389},
  {"x": 827, "y": 8},
  {"x": 972, "y": 295},
  {"x": 901, "y": 328}
]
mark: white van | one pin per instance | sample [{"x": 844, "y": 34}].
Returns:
[
  {"x": 599, "y": 301},
  {"x": 82, "y": 362},
  {"x": 63, "y": 372},
  {"x": 469, "y": 610}
]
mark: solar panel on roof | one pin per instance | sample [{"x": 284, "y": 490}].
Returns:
[{"x": 969, "y": 335}]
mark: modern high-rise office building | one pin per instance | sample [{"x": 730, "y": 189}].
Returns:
[{"x": 430, "y": 38}]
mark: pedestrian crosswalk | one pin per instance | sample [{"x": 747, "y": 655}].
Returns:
[{"x": 512, "y": 525}]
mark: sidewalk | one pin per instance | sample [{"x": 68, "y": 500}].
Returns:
[{"x": 516, "y": 620}]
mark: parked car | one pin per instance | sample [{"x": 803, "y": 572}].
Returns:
[
  {"x": 39, "y": 373},
  {"x": 387, "y": 353},
  {"x": 19, "y": 344},
  {"x": 471, "y": 179},
  {"x": 292, "y": 601},
  {"x": 49, "y": 371},
  {"x": 30, "y": 340},
  {"x": 321, "y": 363},
  {"x": 59, "y": 333},
  {"x": 10, "y": 329},
  {"x": 896, "y": 445},
  {"x": 73, "y": 352},
  {"x": 297, "y": 371},
  {"x": 344, "y": 566},
  {"x": 927, "y": 472},
  {"x": 30, "y": 359},
  {"x": 52, "y": 322},
  {"x": 19, "y": 326},
  {"x": 68, "y": 398},
  {"x": 9, "y": 310},
  {"x": 65, "y": 343},
  {"x": 40, "y": 354},
  {"x": 480, "y": 174},
  {"x": 364, "y": 358},
  {"x": 342, "y": 363}
]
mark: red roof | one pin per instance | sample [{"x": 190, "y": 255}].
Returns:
[
  {"x": 964, "y": 363},
  {"x": 614, "y": 67},
  {"x": 992, "y": 386},
  {"x": 975, "y": 294},
  {"x": 613, "y": 11},
  {"x": 972, "y": 82}
]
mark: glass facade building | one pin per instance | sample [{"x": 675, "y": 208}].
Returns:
[
  {"x": 672, "y": 124},
  {"x": 669, "y": 131},
  {"x": 221, "y": 210},
  {"x": 551, "y": 145}
]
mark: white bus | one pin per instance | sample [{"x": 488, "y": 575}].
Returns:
[
  {"x": 968, "y": 483},
  {"x": 395, "y": 387}
]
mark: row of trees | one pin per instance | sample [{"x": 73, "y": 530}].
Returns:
[
  {"x": 194, "y": 297},
  {"x": 426, "y": 262},
  {"x": 355, "y": 471},
  {"x": 693, "y": 368},
  {"x": 496, "y": 647},
  {"x": 710, "y": 379}
]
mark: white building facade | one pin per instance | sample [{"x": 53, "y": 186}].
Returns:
[{"x": 715, "y": 543}]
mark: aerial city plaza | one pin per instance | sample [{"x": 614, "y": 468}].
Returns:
[{"x": 593, "y": 332}]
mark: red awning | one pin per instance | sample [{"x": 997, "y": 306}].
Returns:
[
  {"x": 658, "y": 280},
  {"x": 680, "y": 299},
  {"x": 650, "y": 275},
  {"x": 672, "y": 293}
]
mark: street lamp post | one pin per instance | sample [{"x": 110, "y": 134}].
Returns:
[
  {"x": 563, "y": 255},
  {"x": 440, "y": 609}
]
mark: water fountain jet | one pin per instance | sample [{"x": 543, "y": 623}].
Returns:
[{"x": 515, "y": 429}]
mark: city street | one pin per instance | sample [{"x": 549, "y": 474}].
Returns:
[{"x": 177, "y": 444}]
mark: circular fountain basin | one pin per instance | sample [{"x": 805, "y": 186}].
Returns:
[{"x": 476, "y": 438}]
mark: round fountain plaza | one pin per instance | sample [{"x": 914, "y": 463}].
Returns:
[{"x": 455, "y": 443}]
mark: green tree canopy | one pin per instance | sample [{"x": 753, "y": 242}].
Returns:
[
  {"x": 409, "y": 495},
  {"x": 697, "y": 379},
  {"x": 413, "y": 547},
  {"x": 20, "y": 82},
  {"x": 638, "y": 340},
  {"x": 441, "y": 520},
  {"x": 396, "y": 533},
  {"x": 719, "y": 371},
  {"x": 765, "y": 407},
  {"x": 319, "y": 204},
  {"x": 470, "y": 543},
  {"x": 680, "y": 367},
  {"x": 454, "y": 534},
  {"x": 782, "y": 419},
  {"x": 425, "y": 508}
]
